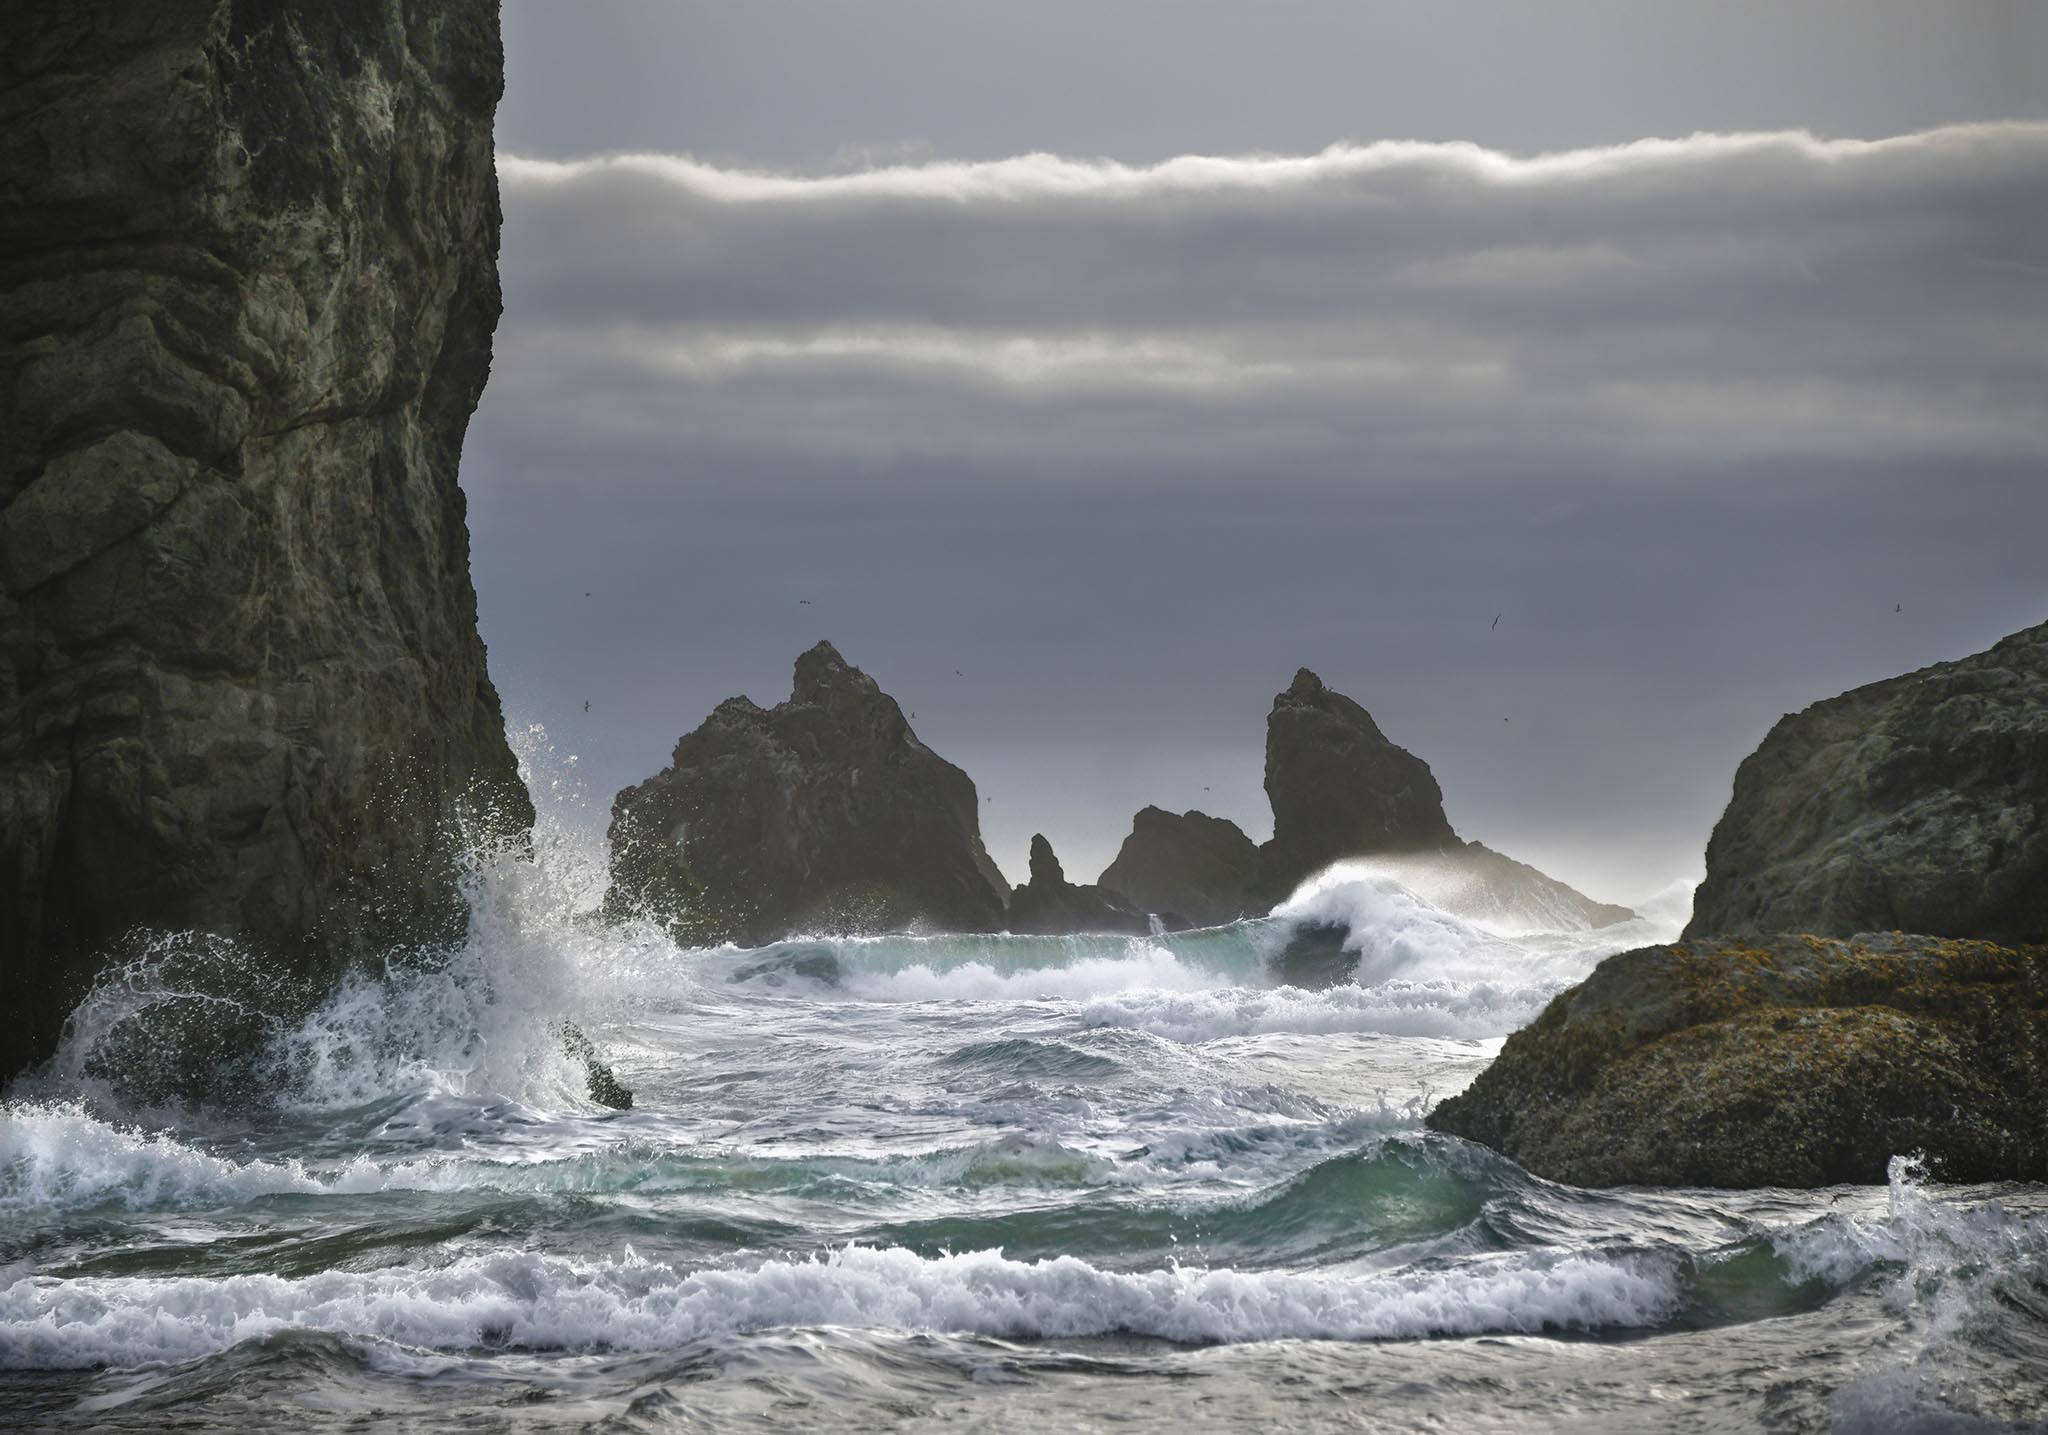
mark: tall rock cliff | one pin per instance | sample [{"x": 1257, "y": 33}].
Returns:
[
  {"x": 1340, "y": 789},
  {"x": 247, "y": 289},
  {"x": 823, "y": 813},
  {"x": 1917, "y": 804}
]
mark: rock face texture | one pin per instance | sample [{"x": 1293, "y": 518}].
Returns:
[
  {"x": 1050, "y": 904},
  {"x": 822, "y": 814},
  {"x": 1339, "y": 789},
  {"x": 1800, "y": 1061},
  {"x": 1917, "y": 804},
  {"x": 1195, "y": 866},
  {"x": 247, "y": 290}
]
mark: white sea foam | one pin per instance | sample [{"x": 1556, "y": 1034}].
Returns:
[
  {"x": 488, "y": 1020},
  {"x": 1145, "y": 965},
  {"x": 1440, "y": 1008},
  {"x": 58, "y": 1155},
  {"x": 1945, "y": 1250},
  {"x": 523, "y": 1301}
]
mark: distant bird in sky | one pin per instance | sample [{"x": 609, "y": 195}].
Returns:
[
  {"x": 803, "y": 602},
  {"x": 1496, "y": 620},
  {"x": 1898, "y": 607},
  {"x": 586, "y": 595},
  {"x": 958, "y": 674},
  {"x": 586, "y": 705}
]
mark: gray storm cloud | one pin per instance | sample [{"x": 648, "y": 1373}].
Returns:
[
  {"x": 1722, "y": 424},
  {"x": 1399, "y": 311}
]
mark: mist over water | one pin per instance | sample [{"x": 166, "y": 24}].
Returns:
[{"x": 893, "y": 1182}]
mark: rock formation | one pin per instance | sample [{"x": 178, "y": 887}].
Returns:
[
  {"x": 1050, "y": 904},
  {"x": 247, "y": 289},
  {"x": 1501, "y": 894},
  {"x": 1917, "y": 804},
  {"x": 824, "y": 813},
  {"x": 1194, "y": 866},
  {"x": 1800, "y": 1061},
  {"x": 1339, "y": 789}
]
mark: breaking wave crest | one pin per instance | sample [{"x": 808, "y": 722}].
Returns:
[{"x": 515, "y": 1300}]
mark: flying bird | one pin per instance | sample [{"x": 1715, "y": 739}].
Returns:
[
  {"x": 586, "y": 705},
  {"x": 803, "y": 602},
  {"x": 958, "y": 674},
  {"x": 1496, "y": 620},
  {"x": 1898, "y": 607}
]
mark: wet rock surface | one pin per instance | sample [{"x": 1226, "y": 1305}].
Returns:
[
  {"x": 1792, "y": 1061},
  {"x": 823, "y": 814},
  {"x": 1919, "y": 803},
  {"x": 247, "y": 291}
]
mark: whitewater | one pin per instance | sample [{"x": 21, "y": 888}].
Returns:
[{"x": 913, "y": 1183}]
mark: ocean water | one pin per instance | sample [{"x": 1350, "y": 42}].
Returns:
[{"x": 1001, "y": 1183}]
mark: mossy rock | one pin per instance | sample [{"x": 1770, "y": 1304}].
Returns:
[{"x": 1798, "y": 1061}]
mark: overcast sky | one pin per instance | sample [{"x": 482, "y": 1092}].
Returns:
[{"x": 1127, "y": 357}]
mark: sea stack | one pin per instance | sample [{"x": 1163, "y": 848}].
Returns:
[
  {"x": 1197, "y": 867},
  {"x": 822, "y": 814},
  {"x": 1049, "y": 904},
  {"x": 248, "y": 285},
  {"x": 1340, "y": 789}
]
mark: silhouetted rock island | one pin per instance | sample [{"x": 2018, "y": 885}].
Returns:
[
  {"x": 248, "y": 284},
  {"x": 1190, "y": 864},
  {"x": 1339, "y": 789},
  {"x": 1050, "y": 904},
  {"x": 822, "y": 814}
]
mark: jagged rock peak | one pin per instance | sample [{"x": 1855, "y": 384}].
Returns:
[
  {"x": 1050, "y": 905},
  {"x": 1045, "y": 867},
  {"x": 821, "y": 814},
  {"x": 1306, "y": 687},
  {"x": 1340, "y": 789},
  {"x": 820, "y": 671}
]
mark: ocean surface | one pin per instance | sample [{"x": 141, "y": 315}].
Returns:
[{"x": 1003, "y": 1183}]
